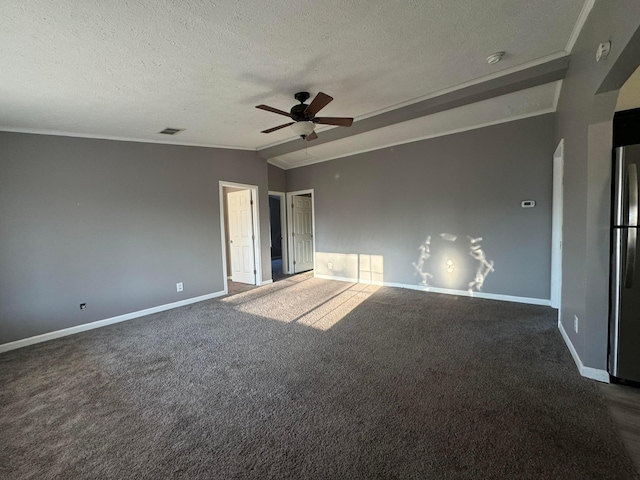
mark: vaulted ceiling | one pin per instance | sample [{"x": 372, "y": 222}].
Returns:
[{"x": 128, "y": 69}]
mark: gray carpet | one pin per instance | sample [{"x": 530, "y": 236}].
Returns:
[{"x": 309, "y": 379}]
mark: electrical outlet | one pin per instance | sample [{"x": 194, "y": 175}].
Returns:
[
  {"x": 179, "y": 287},
  {"x": 575, "y": 323},
  {"x": 330, "y": 266},
  {"x": 83, "y": 306}
]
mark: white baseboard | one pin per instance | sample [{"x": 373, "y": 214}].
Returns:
[
  {"x": 589, "y": 372},
  {"x": 339, "y": 279},
  {"x": 447, "y": 291},
  {"x": 267, "y": 282},
  {"x": 103, "y": 323}
]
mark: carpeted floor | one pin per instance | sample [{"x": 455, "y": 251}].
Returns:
[{"x": 309, "y": 379}]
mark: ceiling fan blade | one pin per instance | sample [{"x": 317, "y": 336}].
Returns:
[
  {"x": 274, "y": 110},
  {"x": 321, "y": 101},
  {"x": 277, "y": 128},
  {"x": 311, "y": 136},
  {"x": 340, "y": 121}
]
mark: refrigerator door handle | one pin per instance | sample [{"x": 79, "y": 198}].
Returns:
[
  {"x": 632, "y": 188},
  {"x": 619, "y": 188},
  {"x": 632, "y": 231},
  {"x": 630, "y": 261}
]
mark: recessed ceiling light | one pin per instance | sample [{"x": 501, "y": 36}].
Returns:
[
  {"x": 171, "y": 131},
  {"x": 494, "y": 58}
]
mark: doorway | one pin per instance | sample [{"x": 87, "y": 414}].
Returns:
[
  {"x": 277, "y": 231},
  {"x": 240, "y": 235},
  {"x": 301, "y": 228}
]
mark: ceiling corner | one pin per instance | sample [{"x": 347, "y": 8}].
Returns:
[{"x": 582, "y": 18}]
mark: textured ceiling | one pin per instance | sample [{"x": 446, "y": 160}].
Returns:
[{"x": 127, "y": 69}]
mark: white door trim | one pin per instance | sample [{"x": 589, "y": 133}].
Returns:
[
  {"x": 257, "y": 258},
  {"x": 290, "y": 227},
  {"x": 283, "y": 229},
  {"x": 556, "y": 227}
]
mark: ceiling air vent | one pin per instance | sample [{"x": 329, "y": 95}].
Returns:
[{"x": 171, "y": 131}]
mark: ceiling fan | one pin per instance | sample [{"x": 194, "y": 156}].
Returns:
[{"x": 304, "y": 116}]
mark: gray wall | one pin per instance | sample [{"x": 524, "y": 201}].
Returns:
[
  {"x": 111, "y": 224},
  {"x": 386, "y": 202},
  {"x": 277, "y": 179},
  {"x": 584, "y": 120}
]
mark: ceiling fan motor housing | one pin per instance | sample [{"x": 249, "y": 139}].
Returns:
[{"x": 297, "y": 112}]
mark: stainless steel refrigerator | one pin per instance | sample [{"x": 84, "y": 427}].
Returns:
[{"x": 624, "y": 351}]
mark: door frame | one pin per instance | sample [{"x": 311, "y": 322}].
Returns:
[
  {"x": 556, "y": 227},
  {"x": 283, "y": 228},
  {"x": 290, "y": 243},
  {"x": 257, "y": 258}
]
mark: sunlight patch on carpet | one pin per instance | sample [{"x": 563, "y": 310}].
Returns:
[
  {"x": 330, "y": 313},
  {"x": 313, "y": 302}
]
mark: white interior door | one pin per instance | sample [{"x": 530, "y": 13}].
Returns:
[
  {"x": 241, "y": 237},
  {"x": 556, "y": 227},
  {"x": 302, "y": 222}
]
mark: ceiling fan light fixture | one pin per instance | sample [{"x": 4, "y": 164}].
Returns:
[{"x": 303, "y": 128}]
